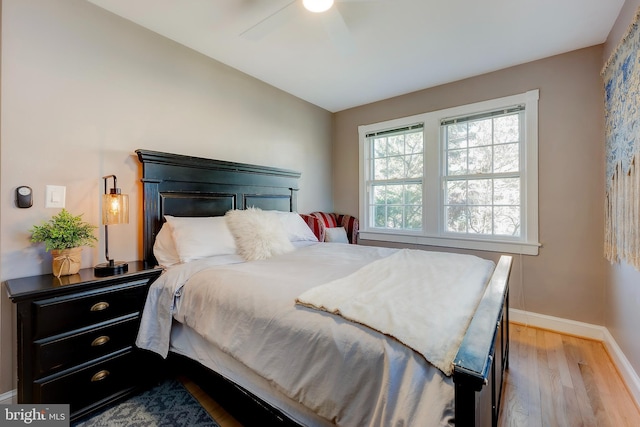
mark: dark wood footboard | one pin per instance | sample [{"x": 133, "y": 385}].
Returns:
[{"x": 483, "y": 357}]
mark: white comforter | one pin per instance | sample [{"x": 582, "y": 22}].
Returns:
[{"x": 347, "y": 373}]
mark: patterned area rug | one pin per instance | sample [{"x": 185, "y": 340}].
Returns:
[{"x": 168, "y": 404}]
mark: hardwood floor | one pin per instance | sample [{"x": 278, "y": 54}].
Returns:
[
  {"x": 560, "y": 380},
  {"x": 553, "y": 380},
  {"x": 212, "y": 407}
]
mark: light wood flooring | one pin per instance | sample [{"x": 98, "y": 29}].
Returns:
[
  {"x": 560, "y": 380},
  {"x": 553, "y": 380},
  {"x": 216, "y": 411}
]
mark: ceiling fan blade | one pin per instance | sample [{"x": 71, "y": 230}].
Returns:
[
  {"x": 338, "y": 31},
  {"x": 270, "y": 23}
]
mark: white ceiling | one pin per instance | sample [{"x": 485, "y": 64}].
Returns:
[{"x": 392, "y": 47}]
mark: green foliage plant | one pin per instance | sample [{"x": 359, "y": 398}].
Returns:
[{"x": 64, "y": 231}]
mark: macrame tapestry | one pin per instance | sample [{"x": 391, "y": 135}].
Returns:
[{"x": 621, "y": 76}]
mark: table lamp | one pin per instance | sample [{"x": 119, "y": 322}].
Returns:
[{"x": 115, "y": 210}]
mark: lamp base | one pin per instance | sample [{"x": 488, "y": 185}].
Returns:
[{"x": 110, "y": 268}]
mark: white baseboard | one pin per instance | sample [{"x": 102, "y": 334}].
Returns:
[
  {"x": 8, "y": 397},
  {"x": 627, "y": 372},
  {"x": 565, "y": 326},
  {"x": 586, "y": 330}
]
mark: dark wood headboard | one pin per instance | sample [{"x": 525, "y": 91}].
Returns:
[{"x": 180, "y": 185}]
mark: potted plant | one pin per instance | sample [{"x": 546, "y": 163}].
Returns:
[{"x": 63, "y": 235}]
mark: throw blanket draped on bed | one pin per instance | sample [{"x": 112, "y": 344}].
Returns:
[{"x": 392, "y": 295}]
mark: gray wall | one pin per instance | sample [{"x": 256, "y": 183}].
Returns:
[
  {"x": 566, "y": 278},
  {"x": 83, "y": 88},
  {"x": 622, "y": 282}
]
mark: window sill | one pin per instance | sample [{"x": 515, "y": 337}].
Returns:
[{"x": 480, "y": 245}]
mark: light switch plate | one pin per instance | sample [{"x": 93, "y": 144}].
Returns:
[{"x": 55, "y": 196}]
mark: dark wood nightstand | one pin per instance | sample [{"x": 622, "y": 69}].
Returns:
[{"x": 76, "y": 337}]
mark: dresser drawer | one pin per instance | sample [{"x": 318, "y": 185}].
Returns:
[
  {"x": 56, "y": 315},
  {"x": 88, "y": 385},
  {"x": 83, "y": 345}
]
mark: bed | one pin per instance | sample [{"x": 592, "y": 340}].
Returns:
[{"x": 294, "y": 364}]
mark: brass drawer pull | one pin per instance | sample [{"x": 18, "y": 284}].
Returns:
[
  {"x": 99, "y": 306},
  {"x": 99, "y": 376},
  {"x": 101, "y": 340}
]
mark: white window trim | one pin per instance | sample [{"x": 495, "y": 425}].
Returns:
[{"x": 432, "y": 218}]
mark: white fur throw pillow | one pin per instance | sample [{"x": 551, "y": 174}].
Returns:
[{"x": 259, "y": 234}]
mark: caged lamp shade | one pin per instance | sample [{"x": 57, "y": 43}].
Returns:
[{"x": 115, "y": 210}]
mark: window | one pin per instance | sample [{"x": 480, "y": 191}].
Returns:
[
  {"x": 396, "y": 178},
  {"x": 482, "y": 173},
  {"x": 462, "y": 177}
]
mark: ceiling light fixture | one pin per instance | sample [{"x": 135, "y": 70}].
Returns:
[{"x": 317, "y": 6}]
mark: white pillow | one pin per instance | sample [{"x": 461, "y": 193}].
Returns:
[
  {"x": 335, "y": 235},
  {"x": 201, "y": 237},
  {"x": 164, "y": 248},
  {"x": 259, "y": 234},
  {"x": 297, "y": 230}
]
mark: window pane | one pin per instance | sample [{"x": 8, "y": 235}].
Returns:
[
  {"x": 394, "y": 217},
  {"x": 414, "y": 165},
  {"x": 480, "y": 220},
  {"x": 456, "y": 193},
  {"x": 457, "y": 136},
  {"x": 380, "y": 168},
  {"x": 396, "y": 168},
  {"x": 506, "y": 191},
  {"x": 413, "y": 194},
  {"x": 413, "y": 217},
  {"x": 480, "y": 160},
  {"x": 480, "y": 133},
  {"x": 395, "y": 195},
  {"x": 456, "y": 219},
  {"x": 507, "y": 221},
  {"x": 413, "y": 143},
  {"x": 380, "y": 216},
  {"x": 506, "y": 129},
  {"x": 479, "y": 192},
  {"x": 379, "y": 147},
  {"x": 457, "y": 162},
  {"x": 379, "y": 194},
  {"x": 506, "y": 158},
  {"x": 395, "y": 145}
]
